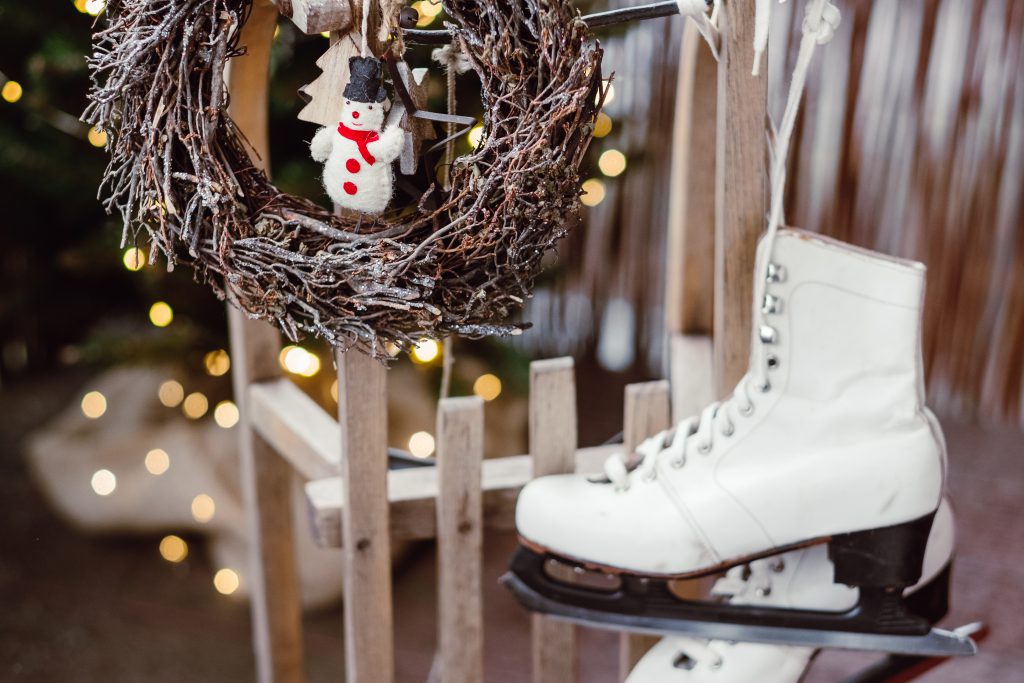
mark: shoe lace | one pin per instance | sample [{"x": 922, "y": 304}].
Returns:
[{"x": 821, "y": 18}]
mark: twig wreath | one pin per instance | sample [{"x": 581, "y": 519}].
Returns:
[{"x": 457, "y": 262}]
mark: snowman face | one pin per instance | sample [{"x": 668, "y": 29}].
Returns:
[{"x": 362, "y": 115}]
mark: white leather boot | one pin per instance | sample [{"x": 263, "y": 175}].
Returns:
[
  {"x": 797, "y": 579},
  {"x": 824, "y": 437}
]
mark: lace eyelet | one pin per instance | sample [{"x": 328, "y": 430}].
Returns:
[
  {"x": 729, "y": 431},
  {"x": 747, "y": 410},
  {"x": 766, "y": 387},
  {"x": 763, "y": 591},
  {"x": 778, "y": 566},
  {"x": 677, "y": 463},
  {"x": 773, "y": 361},
  {"x": 715, "y": 665},
  {"x": 704, "y": 448}
]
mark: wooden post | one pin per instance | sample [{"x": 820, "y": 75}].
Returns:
[
  {"x": 266, "y": 477},
  {"x": 740, "y": 186},
  {"x": 362, "y": 413},
  {"x": 460, "y": 452},
  {"x": 646, "y": 413},
  {"x": 553, "y": 448}
]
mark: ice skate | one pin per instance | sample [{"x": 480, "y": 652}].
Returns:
[
  {"x": 824, "y": 441},
  {"x": 797, "y": 579}
]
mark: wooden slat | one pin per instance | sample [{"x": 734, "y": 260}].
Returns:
[
  {"x": 362, "y": 413},
  {"x": 646, "y": 413},
  {"x": 266, "y": 479},
  {"x": 740, "y": 186},
  {"x": 460, "y": 434},
  {"x": 317, "y": 16},
  {"x": 689, "y": 297},
  {"x": 301, "y": 432},
  {"x": 690, "y": 370},
  {"x": 553, "y": 447},
  {"x": 413, "y": 495}
]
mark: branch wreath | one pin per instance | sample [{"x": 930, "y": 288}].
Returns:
[{"x": 457, "y": 262}]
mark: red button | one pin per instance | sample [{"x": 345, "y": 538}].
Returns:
[
  {"x": 349, "y": 187},
  {"x": 352, "y": 165}
]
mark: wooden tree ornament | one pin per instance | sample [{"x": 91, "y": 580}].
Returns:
[
  {"x": 324, "y": 93},
  {"x": 317, "y": 16}
]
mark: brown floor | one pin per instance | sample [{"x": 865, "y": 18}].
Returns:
[{"x": 74, "y": 608}]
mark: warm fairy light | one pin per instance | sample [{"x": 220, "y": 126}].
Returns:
[
  {"x": 157, "y": 461},
  {"x": 334, "y": 390},
  {"x": 226, "y": 414},
  {"x": 80, "y": 6},
  {"x": 203, "y": 508},
  {"x": 421, "y": 444},
  {"x": 476, "y": 133},
  {"x": 392, "y": 348},
  {"x": 103, "y": 482},
  {"x": 195, "y": 405},
  {"x": 226, "y": 581},
  {"x": 299, "y": 361},
  {"x": 134, "y": 258},
  {"x": 94, "y": 7},
  {"x": 425, "y": 351},
  {"x": 217, "y": 362},
  {"x": 171, "y": 393},
  {"x": 94, "y": 404},
  {"x": 97, "y": 137},
  {"x": 161, "y": 314},
  {"x": 603, "y": 125},
  {"x": 612, "y": 162},
  {"x": 325, "y": 34},
  {"x": 593, "y": 192},
  {"x": 12, "y": 91},
  {"x": 487, "y": 387},
  {"x": 173, "y": 548}
]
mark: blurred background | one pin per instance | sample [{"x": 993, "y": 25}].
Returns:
[{"x": 122, "y": 551}]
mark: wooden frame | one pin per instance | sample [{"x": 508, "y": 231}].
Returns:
[{"x": 355, "y": 503}]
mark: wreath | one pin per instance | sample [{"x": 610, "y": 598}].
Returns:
[{"x": 457, "y": 262}]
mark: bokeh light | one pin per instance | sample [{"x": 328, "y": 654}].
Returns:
[
  {"x": 217, "y": 362},
  {"x": 203, "y": 508},
  {"x": 12, "y": 91},
  {"x": 612, "y": 162},
  {"x": 426, "y": 351},
  {"x": 157, "y": 461},
  {"x": 103, "y": 482},
  {"x": 593, "y": 192},
  {"x": 171, "y": 393},
  {"x": 94, "y": 404},
  {"x": 173, "y": 548},
  {"x": 161, "y": 314},
  {"x": 134, "y": 259},
  {"x": 487, "y": 387},
  {"x": 195, "y": 405},
  {"x": 299, "y": 361},
  {"x": 226, "y": 581},
  {"x": 225, "y": 414},
  {"x": 421, "y": 444}
]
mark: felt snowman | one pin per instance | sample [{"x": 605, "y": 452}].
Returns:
[{"x": 357, "y": 155}]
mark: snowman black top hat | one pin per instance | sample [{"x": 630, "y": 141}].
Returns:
[{"x": 365, "y": 83}]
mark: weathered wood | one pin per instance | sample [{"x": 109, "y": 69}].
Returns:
[
  {"x": 417, "y": 82},
  {"x": 689, "y": 299},
  {"x": 691, "y": 359},
  {"x": 326, "y": 91},
  {"x": 296, "y": 427},
  {"x": 553, "y": 447},
  {"x": 460, "y": 434},
  {"x": 362, "y": 414},
  {"x": 740, "y": 188},
  {"x": 413, "y": 494},
  {"x": 646, "y": 413},
  {"x": 317, "y": 16},
  {"x": 266, "y": 479}
]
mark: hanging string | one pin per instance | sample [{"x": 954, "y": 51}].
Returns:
[{"x": 454, "y": 63}]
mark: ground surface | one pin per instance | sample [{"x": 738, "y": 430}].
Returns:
[{"x": 75, "y": 608}]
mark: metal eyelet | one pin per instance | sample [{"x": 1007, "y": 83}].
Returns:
[
  {"x": 677, "y": 463},
  {"x": 747, "y": 410},
  {"x": 763, "y": 591},
  {"x": 773, "y": 361},
  {"x": 768, "y": 334},
  {"x": 766, "y": 387},
  {"x": 729, "y": 431},
  {"x": 776, "y": 273},
  {"x": 778, "y": 566},
  {"x": 715, "y": 665},
  {"x": 703, "y": 448},
  {"x": 771, "y": 304}
]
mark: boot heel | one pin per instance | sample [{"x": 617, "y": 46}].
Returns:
[{"x": 889, "y": 557}]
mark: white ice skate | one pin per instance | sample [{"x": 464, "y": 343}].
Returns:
[
  {"x": 797, "y": 579},
  {"x": 824, "y": 440}
]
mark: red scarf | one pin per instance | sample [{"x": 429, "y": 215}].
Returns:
[{"x": 361, "y": 138}]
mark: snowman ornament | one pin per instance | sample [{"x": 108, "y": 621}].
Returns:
[{"x": 357, "y": 155}]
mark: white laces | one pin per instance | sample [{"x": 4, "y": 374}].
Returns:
[{"x": 821, "y": 18}]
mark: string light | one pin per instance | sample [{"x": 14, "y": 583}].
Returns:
[
  {"x": 299, "y": 361},
  {"x": 12, "y": 91},
  {"x": 94, "y": 404},
  {"x": 161, "y": 314},
  {"x": 157, "y": 461},
  {"x": 226, "y": 414},
  {"x": 603, "y": 125},
  {"x": 487, "y": 387},
  {"x": 103, "y": 482},
  {"x": 425, "y": 351},
  {"x": 612, "y": 162},
  {"x": 97, "y": 137},
  {"x": 195, "y": 405},
  {"x": 80, "y": 6},
  {"x": 217, "y": 362},
  {"x": 94, "y": 7},
  {"x": 474, "y": 136},
  {"x": 171, "y": 393},
  {"x": 203, "y": 508},
  {"x": 226, "y": 581},
  {"x": 325, "y": 34},
  {"x": 421, "y": 444},
  {"x": 173, "y": 548},
  {"x": 593, "y": 192},
  {"x": 392, "y": 348},
  {"x": 134, "y": 259}
]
